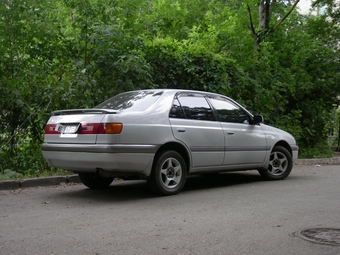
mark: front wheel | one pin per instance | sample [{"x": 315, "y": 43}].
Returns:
[
  {"x": 168, "y": 173},
  {"x": 280, "y": 164},
  {"x": 95, "y": 181}
]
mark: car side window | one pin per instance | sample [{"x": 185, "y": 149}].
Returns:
[
  {"x": 229, "y": 112},
  {"x": 193, "y": 107}
]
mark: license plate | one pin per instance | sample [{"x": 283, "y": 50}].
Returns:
[
  {"x": 67, "y": 129},
  {"x": 70, "y": 129}
]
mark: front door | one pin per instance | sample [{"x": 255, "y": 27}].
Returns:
[{"x": 245, "y": 143}]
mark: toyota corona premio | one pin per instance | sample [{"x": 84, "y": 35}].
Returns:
[{"x": 162, "y": 136}]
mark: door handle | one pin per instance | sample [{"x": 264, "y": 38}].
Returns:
[
  {"x": 230, "y": 133},
  {"x": 181, "y": 130}
]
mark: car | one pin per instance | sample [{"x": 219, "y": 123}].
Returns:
[{"x": 162, "y": 136}]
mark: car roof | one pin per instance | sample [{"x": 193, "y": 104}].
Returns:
[{"x": 174, "y": 91}]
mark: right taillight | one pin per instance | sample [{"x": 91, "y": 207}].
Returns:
[
  {"x": 100, "y": 128},
  {"x": 113, "y": 128}
]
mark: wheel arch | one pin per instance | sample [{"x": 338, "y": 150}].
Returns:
[
  {"x": 180, "y": 148},
  {"x": 285, "y": 145},
  {"x": 282, "y": 162}
]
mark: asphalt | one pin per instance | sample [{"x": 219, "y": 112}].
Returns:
[{"x": 73, "y": 179}]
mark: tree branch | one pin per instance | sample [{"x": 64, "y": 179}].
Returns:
[
  {"x": 287, "y": 14},
  {"x": 251, "y": 25},
  {"x": 252, "y": 29}
]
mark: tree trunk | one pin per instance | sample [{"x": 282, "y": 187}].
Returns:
[{"x": 264, "y": 12}]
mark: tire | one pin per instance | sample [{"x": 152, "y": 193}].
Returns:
[
  {"x": 280, "y": 164},
  {"x": 168, "y": 174},
  {"x": 95, "y": 181}
]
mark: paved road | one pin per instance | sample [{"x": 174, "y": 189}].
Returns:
[{"x": 234, "y": 213}]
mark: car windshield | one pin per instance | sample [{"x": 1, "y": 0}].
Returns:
[{"x": 131, "y": 101}]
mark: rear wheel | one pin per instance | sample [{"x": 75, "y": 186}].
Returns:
[
  {"x": 168, "y": 174},
  {"x": 95, "y": 181},
  {"x": 280, "y": 164}
]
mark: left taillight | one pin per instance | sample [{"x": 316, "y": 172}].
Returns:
[{"x": 50, "y": 129}]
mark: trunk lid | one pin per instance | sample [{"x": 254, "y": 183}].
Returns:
[{"x": 75, "y": 126}]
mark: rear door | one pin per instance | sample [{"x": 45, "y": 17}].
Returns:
[
  {"x": 245, "y": 143},
  {"x": 194, "y": 123}
]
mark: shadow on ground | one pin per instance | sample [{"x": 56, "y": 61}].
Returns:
[{"x": 138, "y": 190}]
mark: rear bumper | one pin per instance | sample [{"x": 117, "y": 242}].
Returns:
[{"x": 111, "y": 158}]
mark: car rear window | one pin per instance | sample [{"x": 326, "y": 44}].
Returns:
[{"x": 131, "y": 101}]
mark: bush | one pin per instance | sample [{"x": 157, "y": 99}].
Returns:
[
  {"x": 9, "y": 174},
  {"x": 320, "y": 151}
]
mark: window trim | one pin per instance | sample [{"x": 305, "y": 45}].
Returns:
[
  {"x": 232, "y": 102},
  {"x": 177, "y": 97}
]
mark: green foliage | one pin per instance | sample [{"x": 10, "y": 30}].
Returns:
[
  {"x": 9, "y": 174},
  {"x": 331, "y": 7},
  {"x": 23, "y": 157},
  {"x": 334, "y": 127},
  {"x": 319, "y": 151},
  {"x": 187, "y": 65}
]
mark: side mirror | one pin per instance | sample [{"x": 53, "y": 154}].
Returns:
[{"x": 257, "y": 119}]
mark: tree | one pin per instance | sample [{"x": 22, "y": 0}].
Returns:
[
  {"x": 265, "y": 17},
  {"x": 29, "y": 67}
]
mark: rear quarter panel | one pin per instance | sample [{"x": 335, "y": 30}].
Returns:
[{"x": 147, "y": 127}]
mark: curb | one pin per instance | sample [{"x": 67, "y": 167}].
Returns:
[
  {"x": 35, "y": 182},
  {"x": 319, "y": 161},
  {"x": 58, "y": 180}
]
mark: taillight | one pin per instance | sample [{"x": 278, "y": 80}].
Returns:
[
  {"x": 113, "y": 128},
  {"x": 100, "y": 128},
  {"x": 88, "y": 128},
  {"x": 50, "y": 129}
]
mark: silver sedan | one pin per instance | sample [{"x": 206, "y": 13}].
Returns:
[{"x": 162, "y": 136}]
